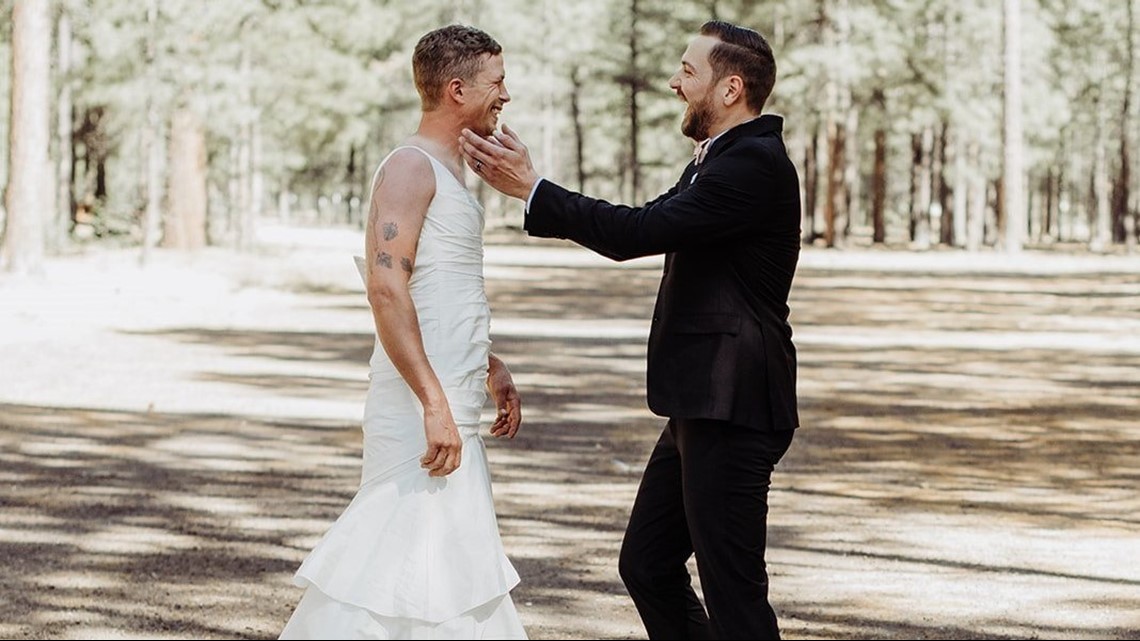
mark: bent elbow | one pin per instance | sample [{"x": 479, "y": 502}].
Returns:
[{"x": 381, "y": 296}]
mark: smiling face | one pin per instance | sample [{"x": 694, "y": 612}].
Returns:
[
  {"x": 694, "y": 83},
  {"x": 485, "y": 94}
]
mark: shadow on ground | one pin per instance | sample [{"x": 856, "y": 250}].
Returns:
[{"x": 916, "y": 465}]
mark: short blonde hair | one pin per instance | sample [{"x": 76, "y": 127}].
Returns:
[{"x": 454, "y": 51}]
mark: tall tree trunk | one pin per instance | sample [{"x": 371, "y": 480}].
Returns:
[
  {"x": 634, "y": 107},
  {"x": 811, "y": 185},
  {"x": 1053, "y": 180},
  {"x": 839, "y": 178},
  {"x": 1013, "y": 181},
  {"x": 1035, "y": 205},
  {"x": 1118, "y": 202},
  {"x": 915, "y": 165},
  {"x": 102, "y": 152},
  {"x": 852, "y": 177},
  {"x": 879, "y": 174},
  {"x": 879, "y": 188},
  {"x": 937, "y": 157},
  {"x": 1077, "y": 215},
  {"x": 65, "y": 191},
  {"x": 257, "y": 179},
  {"x": 349, "y": 181},
  {"x": 993, "y": 232},
  {"x": 1134, "y": 191},
  {"x": 976, "y": 213},
  {"x": 28, "y": 193},
  {"x": 52, "y": 239},
  {"x": 823, "y": 172},
  {"x": 1067, "y": 188},
  {"x": 1134, "y": 236},
  {"x": 244, "y": 218},
  {"x": 951, "y": 195},
  {"x": 922, "y": 145},
  {"x": 1102, "y": 227},
  {"x": 232, "y": 212},
  {"x": 152, "y": 139},
  {"x": 818, "y": 152},
  {"x": 945, "y": 194},
  {"x": 549, "y": 99},
  {"x": 1122, "y": 221},
  {"x": 961, "y": 187},
  {"x": 185, "y": 226},
  {"x": 579, "y": 130},
  {"x": 1059, "y": 179},
  {"x": 836, "y": 144},
  {"x": 92, "y": 134},
  {"x": 1049, "y": 222}
]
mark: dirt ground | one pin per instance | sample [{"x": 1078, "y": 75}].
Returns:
[{"x": 174, "y": 439}]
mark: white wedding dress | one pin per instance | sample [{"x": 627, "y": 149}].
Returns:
[{"x": 416, "y": 557}]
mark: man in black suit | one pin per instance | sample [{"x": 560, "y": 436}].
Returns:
[{"x": 722, "y": 366}]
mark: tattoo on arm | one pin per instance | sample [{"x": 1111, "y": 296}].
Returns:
[{"x": 390, "y": 231}]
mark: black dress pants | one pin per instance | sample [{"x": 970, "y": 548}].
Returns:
[{"x": 704, "y": 492}]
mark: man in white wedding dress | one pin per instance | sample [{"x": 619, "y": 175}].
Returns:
[{"x": 417, "y": 553}]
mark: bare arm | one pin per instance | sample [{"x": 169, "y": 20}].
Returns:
[{"x": 400, "y": 199}]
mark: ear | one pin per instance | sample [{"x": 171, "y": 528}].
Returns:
[
  {"x": 732, "y": 90},
  {"x": 454, "y": 90}
]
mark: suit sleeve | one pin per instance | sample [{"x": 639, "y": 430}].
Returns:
[
  {"x": 728, "y": 198},
  {"x": 545, "y": 215}
]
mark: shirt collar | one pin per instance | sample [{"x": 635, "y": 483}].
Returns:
[{"x": 717, "y": 137}]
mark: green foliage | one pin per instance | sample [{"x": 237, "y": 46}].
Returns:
[{"x": 331, "y": 80}]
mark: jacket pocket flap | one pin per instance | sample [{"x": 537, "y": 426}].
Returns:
[{"x": 705, "y": 324}]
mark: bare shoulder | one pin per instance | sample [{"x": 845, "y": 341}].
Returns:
[{"x": 407, "y": 174}]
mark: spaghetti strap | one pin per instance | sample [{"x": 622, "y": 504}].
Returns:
[{"x": 372, "y": 183}]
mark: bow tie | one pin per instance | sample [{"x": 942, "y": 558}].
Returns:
[{"x": 700, "y": 150}]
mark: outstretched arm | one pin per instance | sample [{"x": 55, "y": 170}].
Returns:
[
  {"x": 401, "y": 194},
  {"x": 747, "y": 189},
  {"x": 503, "y": 161}
]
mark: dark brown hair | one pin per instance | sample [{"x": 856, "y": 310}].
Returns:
[
  {"x": 454, "y": 51},
  {"x": 743, "y": 52}
]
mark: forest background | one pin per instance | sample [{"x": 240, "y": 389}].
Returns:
[{"x": 913, "y": 123}]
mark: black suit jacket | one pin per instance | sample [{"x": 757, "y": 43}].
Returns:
[{"x": 720, "y": 346}]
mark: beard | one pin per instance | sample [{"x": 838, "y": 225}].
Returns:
[{"x": 698, "y": 118}]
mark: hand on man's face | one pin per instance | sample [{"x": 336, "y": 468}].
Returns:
[{"x": 501, "y": 159}]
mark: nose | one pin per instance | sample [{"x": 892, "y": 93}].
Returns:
[
  {"x": 504, "y": 95},
  {"x": 675, "y": 82}
]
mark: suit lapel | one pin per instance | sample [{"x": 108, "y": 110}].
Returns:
[
  {"x": 764, "y": 124},
  {"x": 687, "y": 177}
]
